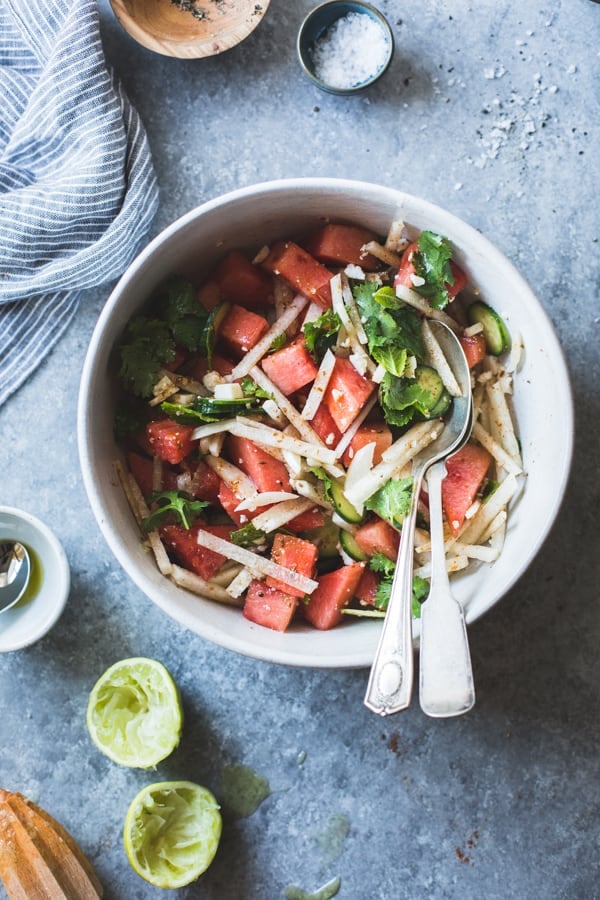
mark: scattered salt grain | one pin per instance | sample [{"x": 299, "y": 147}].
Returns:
[{"x": 352, "y": 51}]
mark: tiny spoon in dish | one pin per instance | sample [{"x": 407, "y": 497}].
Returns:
[
  {"x": 15, "y": 569},
  {"x": 391, "y": 679}
]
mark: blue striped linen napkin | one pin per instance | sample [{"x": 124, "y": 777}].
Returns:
[{"x": 77, "y": 185}]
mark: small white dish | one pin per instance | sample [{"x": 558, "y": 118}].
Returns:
[{"x": 45, "y": 597}]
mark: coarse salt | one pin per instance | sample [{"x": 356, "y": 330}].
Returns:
[{"x": 351, "y": 51}]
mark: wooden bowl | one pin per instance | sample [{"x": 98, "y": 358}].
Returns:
[{"x": 214, "y": 26}]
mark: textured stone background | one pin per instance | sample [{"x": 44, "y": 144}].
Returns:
[{"x": 490, "y": 109}]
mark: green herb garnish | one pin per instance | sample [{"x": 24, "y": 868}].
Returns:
[
  {"x": 386, "y": 568},
  {"x": 320, "y": 335},
  {"x": 392, "y": 501},
  {"x": 184, "y": 507},
  {"x": 431, "y": 260},
  {"x": 247, "y": 536}
]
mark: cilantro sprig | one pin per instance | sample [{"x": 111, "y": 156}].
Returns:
[
  {"x": 178, "y": 503},
  {"x": 431, "y": 260},
  {"x": 381, "y": 565},
  {"x": 175, "y": 319},
  {"x": 320, "y": 335},
  {"x": 392, "y": 501}
]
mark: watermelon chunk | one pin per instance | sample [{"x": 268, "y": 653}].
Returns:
[
  {"x": 142, "y": 470},
  {"x": 474, "y": 346},
  {"x": 335, "y": 591},
  {"x": 347, "y": 393},
  {"x": 182, "y": 545},
  {"x": 241, "y": 329},
  {"x": 170, "y": 440},
  {"x": 301, "y": 271},
  {"x": 339, "y": 245},
  {"x": 378, "y": 536},
  {"x": 242, "y": 282},
  {"x": 209, "y": 295},
  {"x": 324, "y": 425},
  {"x": 312, "y": 518},
  {"x": 267, "y": 473},
  {"x": 377, "y": 433},
  {"x": 367, "y": 588},
  {"x": 290, "y": 368},
  {"x": 296, "y": 554},
  {"x": 466, "y": 470},
  {"x": 267, "y": 606}
]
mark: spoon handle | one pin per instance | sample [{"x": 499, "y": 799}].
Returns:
[
  {"x": 391, "y": 680},
  {"x": 446, "y": 679}
]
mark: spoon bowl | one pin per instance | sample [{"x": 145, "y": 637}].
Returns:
[
  {"x": 15, "y": 571},
  {"x": 391, "y": 678}
]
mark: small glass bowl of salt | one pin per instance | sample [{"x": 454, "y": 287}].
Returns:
[{"x": 344, "y": 47}]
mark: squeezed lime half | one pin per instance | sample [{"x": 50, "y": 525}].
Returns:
[
  {"x": 134, "y": 713},
  {"x": 172, "y": 832}
]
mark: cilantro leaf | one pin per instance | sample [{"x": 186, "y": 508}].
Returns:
[
  {"x": 420, "y": 590},
  {"x": 149, "y": 345},
  {"x": 320, "y": 334},
  {"x": 431, "y": 260},
  {"x": 401, "y": 398},
  {"x": 184, "y": 315},
  {"x": 177, "y": 502},
  {"x": 393, "y": 329},
  {"x": 382, "y": 564},
  {"x": 392, "y": 501},
  {"x": 279, "y": 342},
  {"x": 247, "y": 536},
  {"x": 251, "y": 389}
]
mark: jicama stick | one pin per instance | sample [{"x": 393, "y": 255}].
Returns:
[
  {"x": 281, "y": 514},
  {"x": 255, "y": 562},
  {"x": 453, "y": 564},
  {"x": 140, "y": 510},
  {"x": 498, "y": 452},
  {"x": 413, "y": 299},
  {"x": 438, "y": 360},
  {"x": 478, "y": 525},
  {"x": 192, "y": 582},
  {"x": 236, "y": 480},
  {"x": 319, "y": 386},
  {"x": 270, "y": 437},
  {"x": 501, "y": 417}
]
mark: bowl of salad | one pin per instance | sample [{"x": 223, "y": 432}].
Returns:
[{"x": 257, "y": 387}]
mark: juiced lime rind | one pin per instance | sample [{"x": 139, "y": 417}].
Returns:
[
  {"x": 134, "y": 713},
  {"x": 172, "y": 832}
]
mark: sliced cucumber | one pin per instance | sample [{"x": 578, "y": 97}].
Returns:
[
  {"x": 342, "y": 505},
  {"x": 442, "y": 406},
  {"x": 222, "y": 409},
  {"x": 495, "y": 332},
  {"x": 432, "y": 387},
  {"x": 350, "y": 546},
  {"x": 211, "y": 329}
]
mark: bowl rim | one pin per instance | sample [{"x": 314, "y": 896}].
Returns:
[
  {"x": 468, "y": 235},
  {"x": 304, "y": 54}
]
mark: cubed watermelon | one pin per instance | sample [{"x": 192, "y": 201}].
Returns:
[
  {"x": 241, "y": 329},
  {"x": 296, "y": 554},
  {"x": 377, "y": 433},
  {"x": 312, "y": 518},
  {"x": 267, "y": 606},
  {"x": 377, "y": 536},
  {"x": 229, "y": 500},
  {"x": 142, "y": 470},
  {"x": 474, "y": 346},
  {"x": 334, "y": 592},
  {"x": 242, "y": 282},
  {"x": 292, "y": 367},
  {"x": 267, "y": 473},
  {"x": 339, "y": 245},
  {"x": 205, "y": 482},
  {"x": 301, "y": 271},
  {"x": 183, "y": 547},
  {"x": 170, "y": 440},
  {"x": 367, "y": 588},
  {"x": 323, "y": 424},
  {"x": 347, "y": 393},
  {"x": 466, "y": 470}
]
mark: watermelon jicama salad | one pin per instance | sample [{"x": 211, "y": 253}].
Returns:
[{"x": 269, "y": 417}]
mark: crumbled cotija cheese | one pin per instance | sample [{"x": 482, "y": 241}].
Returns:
[{"x": 351, "y": 51}]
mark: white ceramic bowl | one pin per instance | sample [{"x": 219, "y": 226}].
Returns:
[
  {"x": 249, "y": 218},
  {"x": 45, "y": 597}
]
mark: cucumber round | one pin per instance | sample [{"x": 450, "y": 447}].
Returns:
[
  {"x": 495, "y": 332},
  {"x": 350, "y": 546},
  {"x": 432, "y": 386},
  {"x": 342, "y": 505},
  {"x": 442, "y": 406}
]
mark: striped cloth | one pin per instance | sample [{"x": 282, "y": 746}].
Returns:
[{"x": 77, "y": 186}]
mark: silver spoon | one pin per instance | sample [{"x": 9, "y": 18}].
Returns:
[
  {"x": 15, "y": 570},
  {"x": 391, "y": 679}
]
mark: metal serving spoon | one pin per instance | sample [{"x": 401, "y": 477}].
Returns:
[
  {"x": 15, "y": 570},
  {"x": 390, "y": 682}
]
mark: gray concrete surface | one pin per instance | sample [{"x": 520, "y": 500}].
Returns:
[{"x": 492, "y": 110}]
